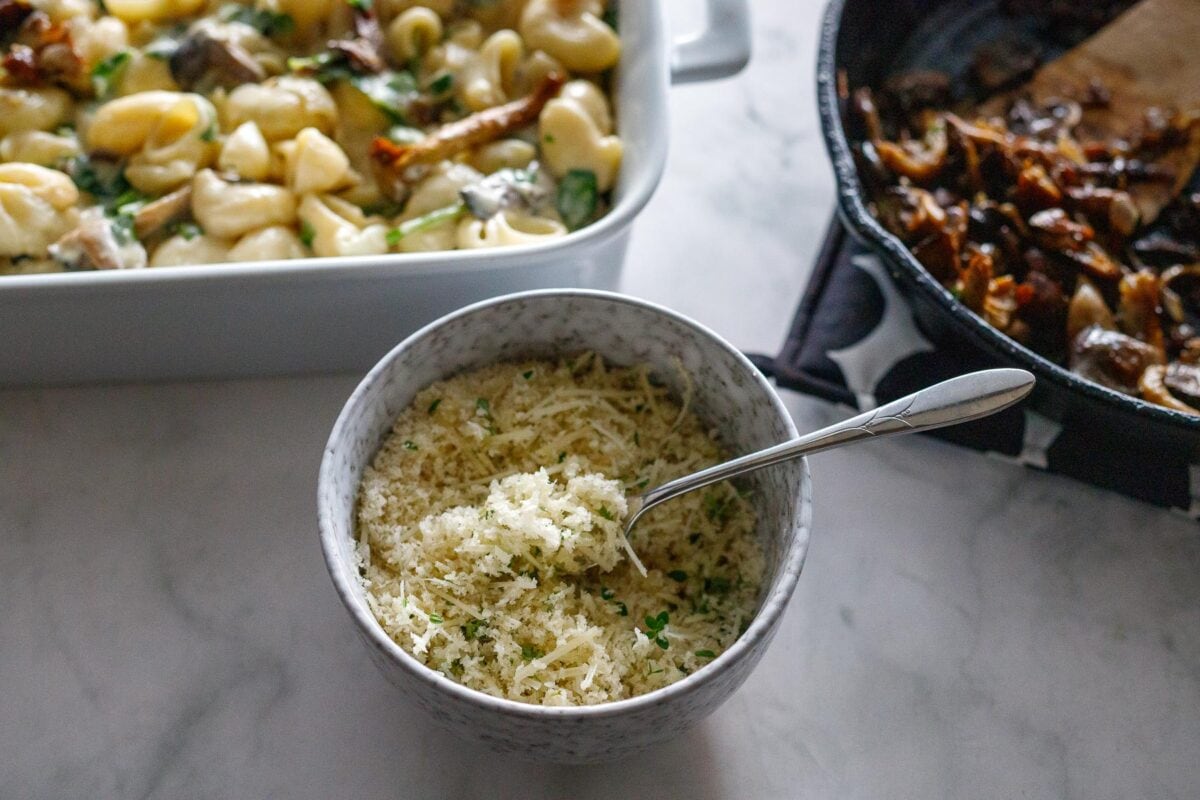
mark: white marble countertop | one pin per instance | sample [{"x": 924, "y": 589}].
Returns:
[{"x": 963, "y": 627}]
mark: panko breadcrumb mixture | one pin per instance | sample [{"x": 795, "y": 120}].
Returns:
[{"x": 491, "y": 545}]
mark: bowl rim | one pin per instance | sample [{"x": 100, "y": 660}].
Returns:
[
  {"x": 866, "y": 228},
  {"x": 762, "y": 625}
]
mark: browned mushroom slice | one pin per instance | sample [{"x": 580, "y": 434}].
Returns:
[
  {"x": 1138, "y": 310},
  {"x": 1087, "y": 308},
  {"x": 12, "y": 14},
  {"x": 1036, "y": 190},
  {"x": 1096, "y": 261},
  {"x": 363, "y": 53},
  {"x": 1054, "y": 230},
  {"x": 920, "y": 162},
  {"x": 208, "y": 60},
  {"x": 1111, "y": 207},
  {"x": 976, "y": 277},
  {"x": 455, "y": 137},
  {"x": 43, "y": 51},
  {"x": 1112, "y": 358},
  {"x": 1183, "y": 379},
  {"x": 1177, "y": 283},
  {"x": 1154, "y": 388},
  {"x": 156, "y": 215},
  {"x": 1000, "y": 304},
  {"x": 862, "y": 103},
  {"x": 94, "y": 245}
]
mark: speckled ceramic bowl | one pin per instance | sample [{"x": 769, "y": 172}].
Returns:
[{"x": 729, "y": 393}]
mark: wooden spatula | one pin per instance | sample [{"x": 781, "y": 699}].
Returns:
[{"x": 1148, "y": 56}]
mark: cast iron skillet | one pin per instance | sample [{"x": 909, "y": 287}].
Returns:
[{"x": 869, "y": 40}]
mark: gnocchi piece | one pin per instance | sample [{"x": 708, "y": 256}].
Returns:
[
  {"x": 503, "y": 154},
  {"x": 341, "y": 229},
  {"x": 180, "y": 251},
  {"x": 229, "y": 210},
  {"x": 315, "y": 163},
  {"x": 146, "y": 74},
  {"x": 535, "y": 69},
  {"x": 414, "y": 33},
  {"x": 486, "y": 79},
  {"x": 572, "y": 32},
  {"x": 245, "y": 153},
  {"x": 269, "y": 244},
  {"x": 152, "y": 10},
  {"x": 507, "y": 228},
  {"x": 571, "y": 140},
  {"x": 390, "y": 9},
  {"x": 169, "y": 135},
  {"x": 94, "y": 41},
  {"x": 589, "y": 97},
  {"x": 36, "y": 206},
  {"x": 41, "y": 109},
  {"x": 282, "y": 107},
  {"x": 439, "y": 189},
  {"x": 37, "y": 147},
  {"x": 63, "y": 10},
  {"x": 496, "y": 16}
]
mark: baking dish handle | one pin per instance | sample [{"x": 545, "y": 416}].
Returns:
[{"x": 721, "y": 49}]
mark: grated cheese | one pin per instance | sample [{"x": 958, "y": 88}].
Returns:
[{"x": 490, "y": 535}]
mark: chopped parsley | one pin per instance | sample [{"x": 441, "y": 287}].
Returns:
[
  {"x": 527, "y": 375},
  {"x": 436, "y": 619},
  {"x": 108, "y": 72},
  {"x": 529, "y": 652},
  {"x": 423, "y": 222},
  {"x": 391, "y": 92},
  {"x": 307, "y": 233},
  {"x": 657, "y": 626},
  {"x": 606, "y": 593},
  {"x": 604, "y": 512},
  {"x": 360, "y": 5},
  {"x": 409, "y": 444},
  {"x": 716, "y": 586},
  {"x": 434, "y": 405},
  {"x": 677, "y": 575},
  {"x": 441, "y": 84},
  {"x": 104, "y": 180},
  {"x": 484, "y": 406},
  {"x": 562, "y": 456},
  {"x": 472, "y": 628},
  {"x": 578, "y": 196},
  {"x": 268, "y": 23},
  {"x": 188, "y": 230},
  {"x": 610, "y": 16},
  {"x": 717, "y": 508},
  {"x": 210, "y": 133},
  {"x": 705, "y": 654}
]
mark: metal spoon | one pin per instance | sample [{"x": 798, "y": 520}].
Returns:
[{"x": 961, "y": 399}]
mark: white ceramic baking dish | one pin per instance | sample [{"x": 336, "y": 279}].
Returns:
[{"x": 326, "y": 314}]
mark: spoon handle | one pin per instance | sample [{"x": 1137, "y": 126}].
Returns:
[{"x": 961, "y": 399}]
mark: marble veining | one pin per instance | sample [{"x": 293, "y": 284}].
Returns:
[{"x": 963, "y": 628}]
